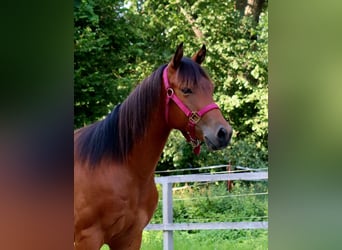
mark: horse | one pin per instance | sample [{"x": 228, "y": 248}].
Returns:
[{"x": 115, "y": 195}]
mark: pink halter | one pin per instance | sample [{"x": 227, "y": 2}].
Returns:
[{"x": 193, "y": 116}]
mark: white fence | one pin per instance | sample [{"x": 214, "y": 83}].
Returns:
[{"x": 168, "y": 226}]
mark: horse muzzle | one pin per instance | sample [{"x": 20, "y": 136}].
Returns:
[{"x": 219, "y": 138}]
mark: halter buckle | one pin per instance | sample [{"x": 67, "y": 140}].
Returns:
[{"x": 194, "y": 117}]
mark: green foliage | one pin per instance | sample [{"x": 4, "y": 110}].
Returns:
[
  {"x": 119, "y": 43},
  {"x": 213, "y": 203},
  {"x": 113, "y": 53},
  {"x": 249, "y": 153}
]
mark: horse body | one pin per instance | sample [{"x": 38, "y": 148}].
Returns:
[
  {"x": 126, "y": 192},
  {"x": 114, "y": 193}
]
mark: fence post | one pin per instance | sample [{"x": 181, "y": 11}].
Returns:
[
  {"x": 229, "y": 182},
  {"x": 167, "y": 215}
]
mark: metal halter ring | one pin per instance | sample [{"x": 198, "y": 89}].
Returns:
[{"x": 170, "y": 92}]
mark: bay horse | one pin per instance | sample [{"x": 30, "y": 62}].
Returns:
[{"x": 115, "y": 194}]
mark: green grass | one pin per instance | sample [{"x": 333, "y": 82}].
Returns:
[{"x": 208, "y": 240}]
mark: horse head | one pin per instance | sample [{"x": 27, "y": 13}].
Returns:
[{"x": 190, "y": 107}]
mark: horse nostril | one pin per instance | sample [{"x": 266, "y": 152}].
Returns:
[{"x": 222, "y": 133}]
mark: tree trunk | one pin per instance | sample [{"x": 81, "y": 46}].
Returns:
[
  {"x": 189, "y": 18},
  {"x": 250, "y": 7}
]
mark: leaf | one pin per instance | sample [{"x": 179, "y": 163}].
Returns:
[
  {"x": 255, "y": 72},
  {"x": 234, "y": 64}
]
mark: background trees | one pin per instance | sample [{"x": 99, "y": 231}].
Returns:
[{"x": 119, "y": 43}]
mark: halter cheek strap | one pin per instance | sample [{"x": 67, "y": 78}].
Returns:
[{"x": 193, "y": 116}]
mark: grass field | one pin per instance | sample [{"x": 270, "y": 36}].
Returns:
[{"x": 207, "y": 240}]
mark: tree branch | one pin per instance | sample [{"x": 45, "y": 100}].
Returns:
[{"x": 189, "y": 18}]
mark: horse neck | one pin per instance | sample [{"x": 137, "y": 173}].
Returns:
[{"x": 147, "y": 151}]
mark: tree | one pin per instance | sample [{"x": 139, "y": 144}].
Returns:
[
  {"x": 118, "y": 45},
  {"x": 236, "y": 63},
  {"x": 250, "y": 8},
  {"x": 110, "y": 56}
]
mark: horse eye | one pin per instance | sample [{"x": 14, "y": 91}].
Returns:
[{"x": 186, "y": 91}]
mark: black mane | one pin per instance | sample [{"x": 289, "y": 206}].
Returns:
[
  {"x": 115, "y": 135},
  {"x": 100, "y": 138}
]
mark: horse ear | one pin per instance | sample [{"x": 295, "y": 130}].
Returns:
[
  {"x": 177, "y": 57},
  {"x": 200, "y": 55}
]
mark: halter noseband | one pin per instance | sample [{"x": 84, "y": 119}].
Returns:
[{"x": 193, "y": 116}]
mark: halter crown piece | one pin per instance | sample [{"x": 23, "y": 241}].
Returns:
[{"x": 193, "y": 116}]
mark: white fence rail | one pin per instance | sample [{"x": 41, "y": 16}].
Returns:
[{"x": 168, "y": 226}]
